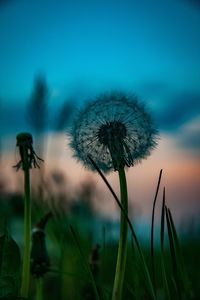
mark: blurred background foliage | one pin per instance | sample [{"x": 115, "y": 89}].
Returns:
[{"x": 67, "y": 277}]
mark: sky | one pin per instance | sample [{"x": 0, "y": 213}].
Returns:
[{"x": 83, "y": 48}]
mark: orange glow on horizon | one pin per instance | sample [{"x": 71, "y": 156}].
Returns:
[{"x": 181, "y": 173}]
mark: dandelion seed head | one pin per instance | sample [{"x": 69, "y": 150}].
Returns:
[
  {"x": 24, "y": 139},
  {"x": 28, "y": 156},
  {"x": 115, "y": 130}
]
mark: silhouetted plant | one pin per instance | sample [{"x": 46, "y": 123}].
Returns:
[
  {"x": 115, "y": 131},
  {"x": 28, "y": 159}
]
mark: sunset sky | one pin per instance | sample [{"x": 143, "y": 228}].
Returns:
[{"x": 83, "y": 48}]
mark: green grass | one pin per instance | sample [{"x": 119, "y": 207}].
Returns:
[{"x": 69, "y": 245}]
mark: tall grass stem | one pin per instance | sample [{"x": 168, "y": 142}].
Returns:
[
  {"x": 162, "y": 235},
  {"x": 152, "y": 230}
]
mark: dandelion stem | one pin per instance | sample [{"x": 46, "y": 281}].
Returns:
[
  {"x": 122, "y": 248},
  {"x": 27, "y": 227},
  {"x": 39, "y": 288}
]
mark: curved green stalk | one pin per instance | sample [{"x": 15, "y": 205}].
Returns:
[
  {"x": 122, "y": 248},
  {"x": 27, "y": 228}
]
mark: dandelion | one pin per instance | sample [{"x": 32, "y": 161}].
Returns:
[
  {"x": 28, "y": 156},
  {"x": 111, "y": 133},
  {"x": 115, "y": 130}
]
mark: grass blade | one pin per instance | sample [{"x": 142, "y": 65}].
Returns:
[
  {"x": 173, "y": 255},
  {"x": 152, "y": 229},
  {"x": 181, "y": 265},
  {"x": 162, "y": 231}
]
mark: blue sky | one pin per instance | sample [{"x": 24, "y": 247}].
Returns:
[
  {"x": 111, "y": 41},
  {"x": 150, "y": 48}
]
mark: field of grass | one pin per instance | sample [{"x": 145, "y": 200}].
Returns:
[{"x": 78, "y": 266}]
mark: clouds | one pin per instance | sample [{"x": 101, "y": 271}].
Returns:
[
  {"x": 181, "y": 119},
  {"x": 177, "y": 114},
  {"x": 178, "y": 110},
  {"x": 189, "y": 135}
]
